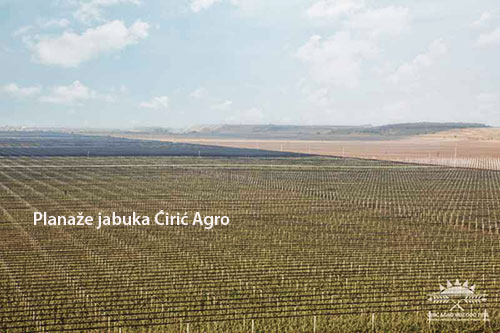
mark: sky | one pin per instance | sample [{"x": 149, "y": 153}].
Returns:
[{"x": 137, "y": 63}]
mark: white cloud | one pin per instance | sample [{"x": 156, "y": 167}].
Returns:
[
  {"x": 53, "y": 23},
  {"x": 223, "y": 105},
  {"x": 22, "y": 30},
  {"x": 485, "y": 18},
  {"x": 334, "y": 8},
  {"x": 489, "y": 39},
  {"x": 199, "y": 93},
  {"x": 92, "y": 10},
  {"x": 381, "y": 21},
  {"x": 156, "y": 103},
  {"x": 356, "y": 15},
  {"x": 16, "y": 91},
  {"x": 338, "y": 59},
  {"x": 199, "y": 5},
  {"x": 247, "y": 6},
  {"x": 71, "y": 49},
  {"x": 42, "y": 24},
  {"x": 411, "y": 72},
  {"x": 73, "y": 94}
]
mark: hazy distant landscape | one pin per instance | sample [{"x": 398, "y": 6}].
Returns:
[
  {"x": 305, "y": 132},
  {"x": 451, "y": 144}
]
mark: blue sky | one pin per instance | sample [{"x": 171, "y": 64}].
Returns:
[{"x": 129, "y": 63}]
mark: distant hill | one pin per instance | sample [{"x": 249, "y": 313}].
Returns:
[
  {"x": 298, "y": 132},
  {"x": 420, "y": 128}
]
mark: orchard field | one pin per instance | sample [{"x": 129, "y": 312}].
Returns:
[{"x": 315, "y": 244}]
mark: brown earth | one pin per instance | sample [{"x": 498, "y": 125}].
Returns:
[{"x": 459, "y": 144}]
